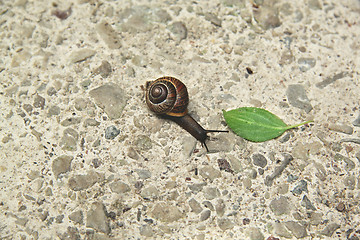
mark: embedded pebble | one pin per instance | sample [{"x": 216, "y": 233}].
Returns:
[
  {"x": 254, "y": 233},
  {"x": 61, "y": 164},
  {"x": 297, "y": 229},
  {"x": 211, "y": 193},
  {"x": 208, "y": 205},
  {"x": 150, "y": 192},
  {"x": 77, "y": 216},
  {"x": 164, "y": 212},
  {"x": 111, "y": 132},
  {"x": 280, "y": 230},
  {"x": 213, "y": 19},
  {"x": 341, "y": 128},
  {"x": 205, "y": 215},
  {"x": 356, "y": 123},
  {"x": 297, "y": 97},
  {"x": 96, "y": 218},
  {"x": 71, "y": 121},
  {"x": 330, "y": 229},
  {"x": 307, "y": 203},
  {"x": 104, "y": 69},
  {"x": 259, "y": 160},
  {"x": 350, "y": 182},
  {"x": 39, "y": 102},
  {"x": 143, "y": 143},
  {"x": 208, "y": 172},
  {"x": 300, "y": 188},
  {"x": 197, "y": 187},
  {"x": 278, "y": 170},
  {"x": 119, "y": 187},
  {"x": 306, "y": 64},
  {"x": 267, "y": 17},
  {"x": 143, "y": 173},
  {"x": 53, "y": 111},
  {"x": 220, "y": 207},
  {"x": 349, "y": 164},
  {"x": 280, "y": 206},
  {"x": 224, "y": 165},
  {"x": 195, "y": 206},
  {"x": 111, "y": 98},
  {"x": 225, "y": 223},
  {"x": 108, "y": 35},
  {"x": 146, "y": 231},
  {"x": 69, "y": 139},
  {"x": 179, "y": 30},
  {"x": 81, "y": 55},
  {"x": 91, "y": 123},
  {"x": 329, "y": 80},
  {"x": 80, "y": 182}
]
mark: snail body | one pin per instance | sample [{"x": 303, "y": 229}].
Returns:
[{"x": 168, "y": 96}]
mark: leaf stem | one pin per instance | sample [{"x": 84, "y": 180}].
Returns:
[{"x": 300, "y": 124}]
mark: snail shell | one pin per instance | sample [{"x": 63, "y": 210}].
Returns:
[{"x": 167, "y": 95}]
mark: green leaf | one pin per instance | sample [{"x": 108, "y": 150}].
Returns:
[{"x": 256, "y": 124}]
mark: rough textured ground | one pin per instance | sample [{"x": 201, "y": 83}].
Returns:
[{"x": 82, "y": 157}]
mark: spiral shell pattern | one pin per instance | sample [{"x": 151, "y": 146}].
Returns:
[{"x": 167, "y": 95}]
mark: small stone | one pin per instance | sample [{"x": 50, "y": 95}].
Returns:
[
  {"x": 111, "y": 132},
  {"x": 220, "y": 207},
  {"x": 254, "y": 233},
  {"x": 96, "y": 218},
  {"x": 197, "y": 187},
  {"x": 329, "y": 80},
  {"x": 143, "y": 143},
  {"x": 195, "y": 206},
  {"x": 77, "y": 217},
  {"x": 349, "y": 164},
  {"x": 267, "y": 17},
  {"x": 119, "y": 187},
  {"x": 69, "y": 139},
  {"x": 211, "y": 193},
  {"x": 179, "y": 30},
  {"x": 259, "y": 160},
  {"x": 132, "y": 153},
  {"x": 150, "y": 192},
  {"x": 164, "y": 212},
  {"x": 350, "y": 182},
  {"x": 225, "y": 224},
  {"x": 51, "y": 91},
  {"x": 61, "y": 164},
  {"x": 315, "y": 218},
  {"x": 300, "y": 188},
  {"x": 71, "y": 121},
  {"x": 298, "y": 230},
  {"x": 39, "y": 102},
  {"x": 53, "y": 111},
  {"x": 341, "y": 128},
  {"x": 146, "y": 231},
  {"x": 280, "y": 206},
  {"x": 104, "y": 69},
  {"x": 306, "y": 64},
  {"x": 330, "y": 229},
  {"x": 224, "y": 165},
  {"x": 143, "y": 173},
  {"x": 28, "y": 108},
  {"x": 213, "y": 19},
  {"x": 340, "y": 207},
  {"x": 81, "y": 104},
  {"x": 356, "y": 123},
  {"x": 108, "y": 35},
  {"x": 81, "y": 182},
  {"x": 91, "y": 123},
  {"x": 205, "y": 215},
  {"x": 297, "y": 97},
  {"x": 208, "y": 205},
  {"x": 307, "y": 203},
  {"x": 208, "y": 172},
  {"x": 281, "y": 231},
  {"x": 81, "y": 55},
  {"x": 314, "y": 4}
]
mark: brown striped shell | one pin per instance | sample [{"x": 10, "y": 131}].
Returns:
[{"x": 167, "y": 95}]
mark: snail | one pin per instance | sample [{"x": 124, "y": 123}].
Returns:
[{"x": 168, "y": 97}]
